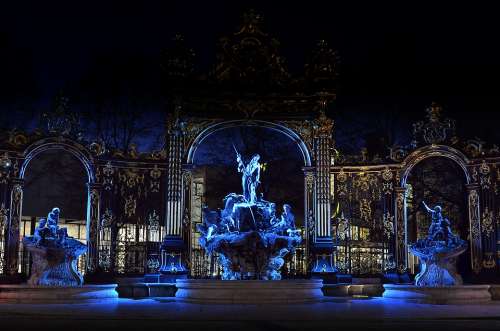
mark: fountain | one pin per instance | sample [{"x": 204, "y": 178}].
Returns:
[
  {"x": 438, "y": 281},
  {"x": 250, "y": 241},
  {"x": 54, "y": 274}
]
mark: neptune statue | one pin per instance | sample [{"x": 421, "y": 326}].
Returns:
[
  {"x": 438, "y": 252},
  {"x": 251, "y": 176},
  {"x": 249, "y": 237}
]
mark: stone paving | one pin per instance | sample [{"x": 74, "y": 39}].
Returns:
[{"x": 167, "y": 314}]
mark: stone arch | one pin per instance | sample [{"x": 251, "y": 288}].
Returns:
[
  {"x": 305, "y": 159},
  {"x": 408, "y": 164},
  {"x": 93, "y": 194}
]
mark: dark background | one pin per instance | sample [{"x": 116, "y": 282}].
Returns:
[{"x": 395, "y": 58}]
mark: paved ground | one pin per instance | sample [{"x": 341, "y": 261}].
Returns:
[{"x": 167, "y": 314}]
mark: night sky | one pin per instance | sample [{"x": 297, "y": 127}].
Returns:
[{"x": 395, "y": 58}]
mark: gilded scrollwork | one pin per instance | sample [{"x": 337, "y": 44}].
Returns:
[
  {"x": 309, "y": 179},
  {"x": 387, "y": 174},
  {"x": 388, "y": 222},
  {"x": 304, "y": 129},
  {"x": 153, "y": 221},
  {"x": 475, "y": 229},
  {"x": 323, "y": 124},
  {"x": 488, "y": 223},
  {"x": 436, "y": 130},
  {"x": 108, "y": 218},
  {"x": 130, "y": 206},
  {"x": 4, "y": 217},
  {"x": 489, "y": 261},
  {"x": 131, "y": 177},
  {"x": 108, "y": 172},
  {"x": 365, "y": 210}
]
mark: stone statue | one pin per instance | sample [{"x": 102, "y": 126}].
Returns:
[
  {"x": 438, "y": 252},
  {"x": 440, "y": 226},
  {"x": 54, "y": 254},
  {"x": 250, "y": 178},
  {"x": 248, "y": 237}
]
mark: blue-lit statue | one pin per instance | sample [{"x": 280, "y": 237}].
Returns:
[
  {"x": 249, "y": 237},
  {"x": 54, "y": 254},
  {"x": 250, "y": 178},
  {"x": 438, "y": 252}
]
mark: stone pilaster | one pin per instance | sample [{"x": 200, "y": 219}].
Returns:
[
  {"x": 322, "y": 243},
  {"x": 174, "y": 247},
  {"x": 476, "y": 249},
  {"x": 12, "y": 230},
  {"x": 93, "y": 218},
  {"x": 401, "y": 250}
]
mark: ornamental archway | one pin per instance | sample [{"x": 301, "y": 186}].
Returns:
[
  {"x": 312, "y": 138},
  {"x": 413, "y": 161},
  {"x": 211, "y": 156},
  {"x": 92, "y": 202}
]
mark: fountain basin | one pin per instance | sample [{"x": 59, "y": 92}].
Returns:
[
  {"x": 56, "y": 294},
  {"x": 459, "y": 294},
  {"x": 249, "y": 291}
]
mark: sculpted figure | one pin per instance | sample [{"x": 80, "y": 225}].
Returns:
[
  {"x": 250, "y": 179},
  {"x": 440, "y": 226},
  {"x": 40, "y": 230},
  {"x": 52, "y": 220},
  {"x": 288, "y": 217}
]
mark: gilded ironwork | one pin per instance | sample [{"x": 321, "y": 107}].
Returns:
[
  {"x": 178, "y": 60},
  {"x": 322, "y": 65},
  {"x": 250, "y": 56},
  {"x": 63, "y": 121},
  {"x": 130, "y": 206},
  {"x": 108, "y": 218},
  {"x": 436, "y": 130},
  {"x": 488, "y": 223}
]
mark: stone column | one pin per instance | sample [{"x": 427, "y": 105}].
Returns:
[
  {"x": 401, "y": 250},
  {"x": 93, "y": 219},
  {"x": 12, "y": 231},
  {"x": 323, "y": 242},
  {"x": 476, "y": 249}
]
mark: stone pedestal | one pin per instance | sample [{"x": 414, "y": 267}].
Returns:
[
  {"x": 249, "y": 291},
  {"x": 438, "y": 268},
  {"x": 54, "y": 264},
  {"x": 461, "y": 294},
  {"x": 52, "y": 294}
]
